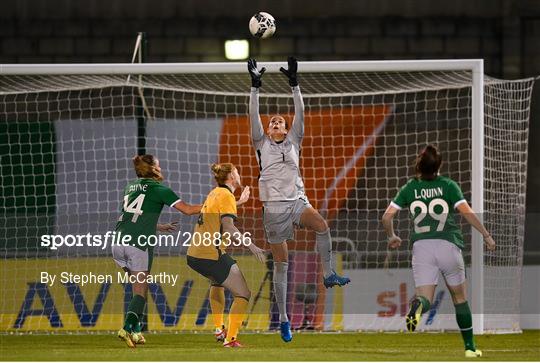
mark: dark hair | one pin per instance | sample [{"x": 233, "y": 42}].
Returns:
[
  {"x": 428, "y": 163},
  {"x": 221, "y": 172},
  {"x": 145, "y": 167}
]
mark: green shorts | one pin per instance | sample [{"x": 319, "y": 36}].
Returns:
[{"x": 215, "y": 270}]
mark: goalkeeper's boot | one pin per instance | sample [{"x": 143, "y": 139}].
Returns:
[
  {"x": 473, "y": 353},
  {"x": 415, "y": 313},
  {"x": 232, "y": 344},
  {"x": 126, "y": 337},
  {"x": 334, "y": 279},
  {"x": 220, "y": 334},
  {"x": 285, "y": 330},
  {"x": 138, "y": 338}
]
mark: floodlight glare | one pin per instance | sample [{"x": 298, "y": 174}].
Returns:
[{"x": 236, "y": 49}]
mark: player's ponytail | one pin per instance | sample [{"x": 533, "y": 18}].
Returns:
[
  {"x": 428, "y": 163},
  {"x": 146, "y": 167},
  {"x": 221, "y": 172}
]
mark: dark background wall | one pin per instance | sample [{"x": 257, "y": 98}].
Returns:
[{"x": 505, "y": 33}]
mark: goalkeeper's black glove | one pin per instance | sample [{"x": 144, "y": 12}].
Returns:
[
  {"x": 291, "y": 72},
  {"x": 255, "y": 73}
]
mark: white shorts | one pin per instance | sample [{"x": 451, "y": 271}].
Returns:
[
  {"x": 132, "y": 258},
  {"x": 433, "y": 255},
  {"x": 280, "y": 218}
]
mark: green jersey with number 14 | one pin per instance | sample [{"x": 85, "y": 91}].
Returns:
[
  {"x": 431, "y": 204},
  {"x": 143, "y": 201}
]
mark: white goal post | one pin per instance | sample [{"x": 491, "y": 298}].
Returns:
[{"x": 16, "y": 80}]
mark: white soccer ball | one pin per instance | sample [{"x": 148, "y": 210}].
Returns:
[{"x": 262, "y": 25}]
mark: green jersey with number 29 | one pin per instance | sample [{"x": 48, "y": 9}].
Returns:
[
  {"x": 143, "y": 201},
  {"x": 431, "y": 204}
]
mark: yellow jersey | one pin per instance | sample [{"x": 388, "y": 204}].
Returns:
[{"x": 208, "y": 240}]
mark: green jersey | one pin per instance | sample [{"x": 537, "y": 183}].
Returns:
[
  {"x": 142, "y": 205},
  {"x": 431, "y": 204}
]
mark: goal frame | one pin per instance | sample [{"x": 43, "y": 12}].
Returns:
[{"x": 475, "y": 66}]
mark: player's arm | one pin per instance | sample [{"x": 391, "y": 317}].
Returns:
[
  {"x": 468, "y": 213},
  {"x": 257, "y": 131},
  {"x": 400, "y": 201},
  {"x": 170, "y": 198},
  {"x": 227, "y": 223},
  {"x": 459, "y": 202},
  {"x": 297, "y": 128},
  {"x": 188, "y": 209},
  {"x": 388, "y": 222},
  {"x": 167, "y": 227},
  {"x": 244, "y": 197},
  {"x": 228, "y": 215}
]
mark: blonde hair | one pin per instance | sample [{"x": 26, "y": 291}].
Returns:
[
  {"x": 222, "y": 171},
  {"x": 145, "y": 167}
]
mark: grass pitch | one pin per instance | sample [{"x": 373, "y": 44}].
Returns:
[{"x": 269, "y": 347}]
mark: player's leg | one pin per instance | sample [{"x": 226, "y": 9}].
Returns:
[
  {"x": 464, "y": 318},
  {"x": 280, "y": 255},
  {"x": 217, "y": 305},
  {"x": 134, "y": 316},
  {"x": 426, "y": 275},
  {"x": 236, "y": 283},
  {"x": 131, "y": 331},
  {"x": 140, "y": 261},
  {"x": 135, "y": 262},
  {"x": 453, "y": 270},
  {"x": 312, "y": 220},
  {"x": 278, "y": 227},
  {"x": 122, "y": 260},
  {"x": 419, "y": 305}
]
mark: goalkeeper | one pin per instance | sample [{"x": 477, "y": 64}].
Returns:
[
  {"x": 437, "y": 240},
  {"x": 281, "y": 188},
  {"x": 144, "y": 199}
]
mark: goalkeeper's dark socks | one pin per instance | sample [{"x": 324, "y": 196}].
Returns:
[
  {"x": 425, "y": 303},
  {"x": 464, "y": 321},
  {"x": 134, "y": 313}
]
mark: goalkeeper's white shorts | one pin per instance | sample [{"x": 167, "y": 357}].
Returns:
[
  {"x": 433, "y": 255},
  {"x": 280, "y": 219}
]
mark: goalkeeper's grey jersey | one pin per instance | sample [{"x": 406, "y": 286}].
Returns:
[{"x": 279, "y": 163}]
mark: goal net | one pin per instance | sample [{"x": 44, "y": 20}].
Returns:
[{"x": 67, "y": 141}]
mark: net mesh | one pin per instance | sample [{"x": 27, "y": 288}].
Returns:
[{"x": 67, "y": 144}]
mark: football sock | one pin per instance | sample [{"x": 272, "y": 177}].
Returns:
[
  {"x": 138, "y": 327},
  {"x": 324, "y": 248},
  {"x": 280, "y": 288},
  {"x": 236, "y": 316},
  {"x": 464, "y": 321},
  {"x": 425, "y": 304},
  {"x": 134, "y": 313},
  {"x": 217, "y": 304}
]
